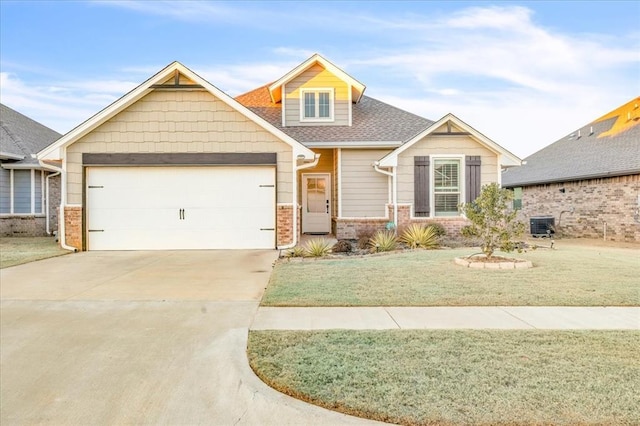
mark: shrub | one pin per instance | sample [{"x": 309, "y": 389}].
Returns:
[
  {"x": 438, "y": 229},
  {"x": 317, "y": 247},
  {"x": 491, "y": 221},
  {"x": 364, "y": 236},
  {"x": 416, "y": 236},
  {"x": 297, "y": 251},
  {"x": 383, "y": 241},
  {"x": 341, "y": 246}
]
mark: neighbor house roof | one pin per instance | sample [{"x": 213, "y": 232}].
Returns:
[
  {"x": 21, "y": 136},
  {"x": 608, "y": 146},
  {"x": 374, "y": 123}
]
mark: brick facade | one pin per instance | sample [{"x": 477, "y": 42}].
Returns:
[
  {"x": 284, "y": 225},
  {"x": 23, "y": 226},
  {"x": 54, "y": 202},
  {"x": 73, "y": 226},
  {"x": 582, "y": 208},
  {"x": 34, "y": 225},
  {"x": 353, "y": 228}
]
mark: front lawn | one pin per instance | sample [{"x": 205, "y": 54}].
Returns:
[
  {"x": 19, "y": 250},
  {"x": 569, "y": 275},
  {"x": 458, "y": 377}
]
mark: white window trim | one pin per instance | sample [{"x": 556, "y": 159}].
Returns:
[
  {"x": 33, "y": 195},
  {"x": 316, "y": 90},
  {"x": 432, "y": 192}
]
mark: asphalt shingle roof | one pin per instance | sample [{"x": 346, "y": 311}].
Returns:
[
  {"x": 613, "y": 149},
  {"x": 22, "y": 136},
  {"x": 372, "y": 121}
]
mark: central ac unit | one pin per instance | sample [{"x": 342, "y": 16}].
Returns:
[{"x": 542, "y": 226}]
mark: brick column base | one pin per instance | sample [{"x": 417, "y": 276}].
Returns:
[
  {"x": 73, "y": 226},
  {"x": 284, "y": 225}
]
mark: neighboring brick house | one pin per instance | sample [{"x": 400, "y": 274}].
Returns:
[
  {"x": 178, "y": 164},
  {"x": 29, "y": 191},
  {"x": 588, "y": 181}
]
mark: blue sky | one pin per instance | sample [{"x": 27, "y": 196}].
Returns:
[{"x": 523, "y": 73}]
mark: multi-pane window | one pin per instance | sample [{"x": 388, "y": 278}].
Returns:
[
  {"x": 517, "y": 198},
  {"x": 317, "y": 105},
  {"x": 21, "y": 191},
  {"x": 446, "y": 186}
]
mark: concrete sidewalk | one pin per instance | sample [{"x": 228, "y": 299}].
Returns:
[{"x": 505, "y": 318}]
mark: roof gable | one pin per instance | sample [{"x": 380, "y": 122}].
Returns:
[
  {"x": 357, "y": 88},
  {"x": 450, "y": 124},
  {"x": 173, "y": 75}
]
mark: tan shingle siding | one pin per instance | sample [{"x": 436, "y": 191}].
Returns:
[{"x": 200, "y": 123}]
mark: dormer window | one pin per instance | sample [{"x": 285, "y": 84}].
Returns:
[{"x": 316, "y": 105}]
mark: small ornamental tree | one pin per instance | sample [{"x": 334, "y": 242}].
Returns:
[{"x": 492, "y": 221}]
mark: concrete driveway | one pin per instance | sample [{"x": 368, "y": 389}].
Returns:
[{"x": 138, "y": 338}]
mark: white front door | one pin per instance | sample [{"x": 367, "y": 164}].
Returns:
[{"x": 316, "y": 203}]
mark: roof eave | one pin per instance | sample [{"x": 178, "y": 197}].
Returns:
[
  {"x": 10, "y": 156},
  {"x": 353, "y": 144},
  {"x": 573, "y": 178}
]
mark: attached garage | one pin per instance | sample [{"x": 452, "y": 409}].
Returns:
[
  {"x": 176, "y": 164},
  {"x": 152, "y": 206}
]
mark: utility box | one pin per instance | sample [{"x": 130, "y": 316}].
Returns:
[{"x": 542, "y": 226}]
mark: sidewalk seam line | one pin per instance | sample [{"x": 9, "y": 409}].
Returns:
[
  {"x": 519, "y": 319},
  {"x": 392, "y": 318}
]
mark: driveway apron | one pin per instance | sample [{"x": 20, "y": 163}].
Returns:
[{"x": 139, "y": 338}]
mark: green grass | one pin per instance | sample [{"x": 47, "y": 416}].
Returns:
[
  {"x": 566, "y": 276},
  {"x": 16, "y": 251},
  {"x": 458, "y": 377}
]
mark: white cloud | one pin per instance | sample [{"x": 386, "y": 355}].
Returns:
[
  {"x": 60, "y": 105},
  {"x": 184, "y": 10},
  {"x": 494, "y": 67},
  {"x": 522, "y": 84}
]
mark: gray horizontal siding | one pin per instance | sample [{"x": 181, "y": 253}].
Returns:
[
  {"x": 22, "y": 191},
  {"x": 38, "y": 192},
  {"x": 5, "y": 191}
]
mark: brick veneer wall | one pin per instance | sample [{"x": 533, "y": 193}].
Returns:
[
  {"x": 284, "y": 225},
  {"x": 54, "y": 202},
  {"x": 585, "y": 206},
  {"x": 73, "y": 226},
  {"x": 353, "y": 228},
  {"x": 23, "y": 226}
]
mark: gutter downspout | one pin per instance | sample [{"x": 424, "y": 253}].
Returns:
[
  {"x": 63, "y": 199},
  {"x": 295, "y": 207},
  {"x": 394, "y": 189}
]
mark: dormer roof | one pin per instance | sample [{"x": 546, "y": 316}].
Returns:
[{"x": 357, "y": 88}]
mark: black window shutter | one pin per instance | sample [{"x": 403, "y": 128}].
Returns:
[
  {"x": 472, "y": 181},
  {"x": 421, "y": 186}
]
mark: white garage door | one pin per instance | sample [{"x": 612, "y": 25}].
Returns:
[{"x": 164, "y": 208}]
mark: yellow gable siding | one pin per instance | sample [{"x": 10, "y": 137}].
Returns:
[
  {"x": 443, "y": 145},
  {"x": 365, "y": 192},
  {"x": 179, "y": 121},
  {"x": 316, "y": 77}
]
